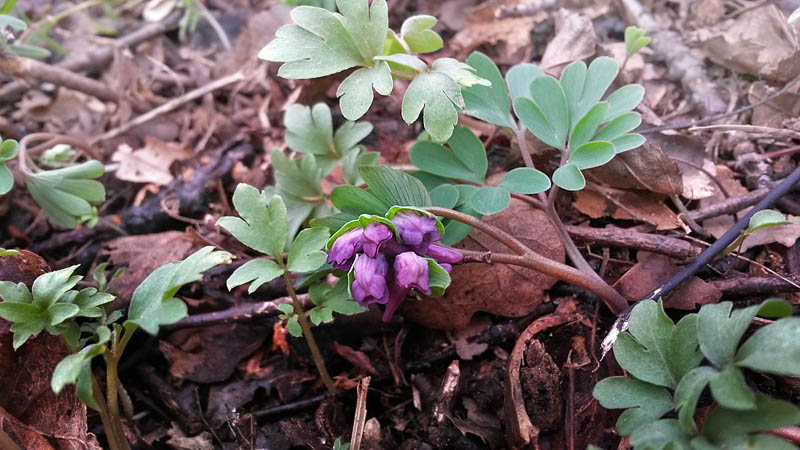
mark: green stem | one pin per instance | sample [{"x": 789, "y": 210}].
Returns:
[
  {"x": 111, "y": 433},
  {"x": 528, "y": 258},
  {"x": 312, "y": 344},
  {"x": 112, "y": 387}
]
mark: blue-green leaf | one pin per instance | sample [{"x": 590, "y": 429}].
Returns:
[
  {"x": 256, "y": 272},
  {"x": 519, "y": 79},
  {"x": 587, "y": 125},
  {"x": 489, "y": 200},
  {"x": 774, "y": 348},
  {"x": 569, "y": 177},
  {"x": 621, "y": 125},
  {"x": 444, "y": 196},
  {"x": 592, "y": 154},
  {"x": 525, "y": 180},
  {"x": 643, "y": 402},
  {"x": 489, "y": 103},
  {"x": 261, "y": 228}
]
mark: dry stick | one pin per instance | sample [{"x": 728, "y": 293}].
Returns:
[
  {"x": 243, "y": 312},
  {"x": 528, "y": 258},
  {"x": 99, "y": 58},
  {"x": 361, "y": 414},
  {"x": 171, "y": 105},
  {"x": 731, "y": 205},
  {"x": 26, "y": 68},
  {"x": 621, "y": 324},
  {"x": 694, "y": 123}
]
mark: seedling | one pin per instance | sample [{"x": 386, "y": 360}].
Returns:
[
  {"x": 8, "y": 151},
  {"x": 664, "y": 360},
  {"x": 761, "y": 219},
  {"x": 10, "y": 24},
  {"x": 53, "y": 305},
  {"x": 635, "y": 40}
]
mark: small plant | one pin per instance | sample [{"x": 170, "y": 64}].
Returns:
[
  {"x": 53, "y": 305},
  {"x": 14, "y": 24},
  {"x": 635, "y": 40},
  {"x": 762, "y": 219},
  {"x": 664, "y": 360},
  {"x": 8, "y": 151}
]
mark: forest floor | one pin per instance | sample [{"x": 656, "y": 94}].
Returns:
[{"x": 192, "y": 119}]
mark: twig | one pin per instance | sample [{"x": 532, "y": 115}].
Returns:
[
  {"x": 285, "y": 410},
  {"x": 618, "y": 237},
  {"x": 757, "y": 285},
  {"x": 694, "y": 123},
  {"x": 361, "y": 414},
  {"x": 246, "y": 312},
  {"x": 171, "y": 105},
  {"x": 621, "y": 324},
  {"x": 729, "y": 206},
  {"x": 768, "y": 131}
]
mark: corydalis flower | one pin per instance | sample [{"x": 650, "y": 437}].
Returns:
[
  {"x": 345, "y": 247},
  {"x": 375, "y": 235},
  {"x": 444, "y": 254},
  {"x": 369, "y": 280},
  {"x": 416, "y": 230},
  {"x": 410, "y": 271}
]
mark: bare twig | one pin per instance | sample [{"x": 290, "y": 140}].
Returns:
[
  {"x": 618, "y": 237},
  {"x": 361, "y": 414}
]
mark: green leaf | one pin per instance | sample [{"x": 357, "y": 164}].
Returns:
[
  {"x": 305, "y": 254},
  {"x": 8, "y": 6},
  {"x": 621, "y": 125},
  {"x": 467, "y": 160},
  {"x": 309, "y": 129},
  {"x": 569, "y": 177},
  {"x": 662, "y": 434},
  {"x": 573, "y": 78},
  {"x": 69, "y": 193},
  {"x": 688, "y": 392},
  {"x": 444, "y": 196},
  {"x": 317, "y": 45},
  {"x": 83, "y": 387},
  {"x": 774, "y": 348},
  {"x": 24, "y": 330},
  {"x": 462, "y": 73},
  {"x": 774, "y": 308},
  {"x": 438, "y": 278},
  {"x": 525, "y": 180},
  {"x": 592, "y": 154},
  {"x": 6, "y": 179},
  {"x": 353, "y": 200},
  {"x": 766, "y": 218},
  {"x": 332, "y": 299},
  {"x": 29, "y": 51},
  {"x": 12, "y": 22},
  {"x": 366, "y": 23},
  {"x": 601, "y": 73},
  {"x": 586, "y": 126},
  {"x": 489, "y": 200},
  {"x": 635, "y": 39},
  {"x": 417, "y": 32},
  {"x": 153, "y": 303},
  {"x": 349, "y": 135},
  {"x": 519, "y": 79},
  {"x": 731, "y": 391},
  {"x": 48, "y": 288},
  {"x": 439, "y": 93},
  {"x": 488, "y": 103},
  {"x": 5, "y": 252},
  {"x": 67, "y": 371},
  {"x": 683, "y": 350},
  {"x": 60, "y": 312},
  {"x": 627, "y": 142},
  {"x": 256, "y": 272},
  {"x": 394, "y": 187},
  {"x": 293, "y": 325},
  {"x": 260, "y": 228},
  {"x": 719, "y": 331},
  {"x": 643, "y": 402},
  {"x": 410, "y": 63},
  {"x": 353, "y": 160},
  {"x": 623, "y": 100},
  {"x": 547, "y": 94},
  {"x": 769, "y": 414},
  {"x": 355, "y": 91},
  {"x": 286, "y": 309},
  {"x": 9, "y": 150},
  {"x": 15, "y": 292},
  {"x": 19, "y": 312}
]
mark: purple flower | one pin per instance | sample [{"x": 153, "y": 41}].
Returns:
[
  {"x": 446, "y": 267},
  {"x": 416, "y": 230},
  {"x": 444, "y": 254},
  {"x": 369, "y": 280},
  {"x": 396, "y": 296},
  {"x": 344, "y": 249},
  {"x": 411, "y": 271},
  {"x": 375, "y": 235}
]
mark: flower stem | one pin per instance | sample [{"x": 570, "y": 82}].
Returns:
[
  {"x": 528, "y": 258},
  {"x": 112, "y": 386},
  {"x": 312, "y": 344}
]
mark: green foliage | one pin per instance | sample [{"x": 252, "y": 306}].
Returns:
[
  {"x": 322, "y": 43},
  {"x": 664, "y": 360},
  {"x": 794, "y": 16},
  {"x": 15, "y": 24},
  {"x": 635, "y": 40},
  {"x": 68, "y": 195},
  {"x": 338, "y": 445},
  {"x": 8, "y": 151},
  {"x": 762, "y": 219}
]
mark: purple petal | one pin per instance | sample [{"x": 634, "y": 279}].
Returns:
[
  {"x": 375, "y": 235},
  {"x": 444, "y": 254},
  {"x": 411, "y": 271},
  {"x": 415, "y": 229},
  {"x": 369, "y": 280},
  {"x": 345, "y": 247}
]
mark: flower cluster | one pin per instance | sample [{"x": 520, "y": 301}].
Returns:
[{"x": 386, "y": 267}]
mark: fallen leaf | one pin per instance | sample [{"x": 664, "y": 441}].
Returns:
[
  {"x": 180, "y": 441},
  {"x": 357, "y": 358},
  {"x": 575, "y": 40},
  {"x": 717, "y": 226},
  {"x": 149, "y": 164},
  {"x": 210, "y": 354},
  {"x": 757, "y": 42},
  {"x": 785, "y": 235},
  {"x": 651, "y": 270},
  {"x": 646, "y": 168},
  {"x": 500, "y": 289},
  {"x": 640, "y": 206},
  {"x": 224, "y": 397},
  {"x": 696, "y": 184},
  {"x": 142, "y": 254},
  {"x": 460, "y": 337},
  {"x": 772, "y": 113}
]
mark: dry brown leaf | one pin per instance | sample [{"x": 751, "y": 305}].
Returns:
[
  {"x": 785, "y": 235},
  {"x": 626, "y": 205},
  {"x": 647, "y": 168},
  {"x": 499, "y": 289},
  {"x": 143, "y": 254},
  {"x": 696, "y": 184},
  {"x": 179, "y": 440},
  {"x": 149, "y": 164},
  {"x": 758, "y": 42},
  {"x": 510, "y": 36},
  {"x": 460, "y": 338},
  {"x": 773, "y": 113},
  {"x": 651, "y": 270},
  {"x": 717, "y": 226},
  {"x": 575, "y": 40}
]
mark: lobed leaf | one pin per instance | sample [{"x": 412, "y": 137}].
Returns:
[
  {"x": 774, "y": 348},
  {"x": 355, "y": 92},
  {"x": 488, "y": 103},
  {"x": 663, "y": 434},
  {"x": 719, "y": 330},
  {"x": 256, "y": 272},
  {"x": 643, "y": 402},
  {"x": 418, "y": 34},
  {"x": 261, "y": 228},
  {"x": 305, "y": 254}
]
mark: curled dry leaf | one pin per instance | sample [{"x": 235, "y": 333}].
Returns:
[
  {"x": 646, "y": 168},
  {"x": 717, "y": 226},
  {"x": 499, "y": 289},
  {"x": 149, "y": 164},
  {"x": 640, "y": 206},
  {"x": 785, "y": 235},
  {"x": 511, "y": 36},
  {"x": 575, "y": 40}
]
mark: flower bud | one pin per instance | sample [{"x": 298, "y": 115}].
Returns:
[
  {"x": 411, "y": 271},
  {"x": 444, "y": 254},
  {"x": 369, "y": 280},
  {"x": 416, "y": 230},
  {"x": 344, "y": 249},
  {"x": 375, "y": 235}
]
